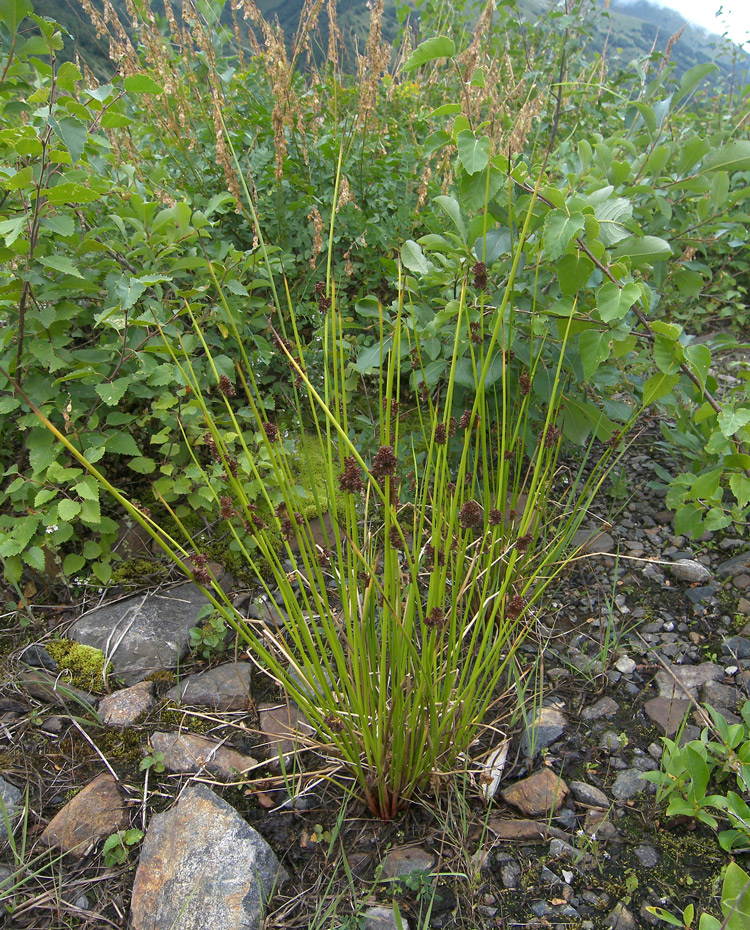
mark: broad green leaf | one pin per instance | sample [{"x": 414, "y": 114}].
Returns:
[
  {"x": 658, "y": 386},
  {"x": 573, "y": 271},
  {"x": 451, "y": 207},
  {"x": 688, "y": 520},
  {"x": 69, "y": 192},
  {"x": 668, "y": 354},
  {"x": 129, "y": 289},
  {"x": 103, "y": 571},
  {"x": 112, "y": 393},
  {"x": 698, "y": 358},
  {"x": 73, "y": 563},
  {"x": 88, "y": 488},
  {"x": 692, "y": 78},
  {"x": 614, "y": 302},
  {"x": 447, "y": 109},
  {"x": 61, "y": 224},
  {"x": 735, "y": 897},
  {"x": 473, "y": 153},
  {"x": 142, "y": 84},
  {"x": 62, "y": 264},
  {"x": 559, "y": 229},
  {"x": 688, "y": 282},
  {"x": 12, "y": 12},
  {"x": 643, "y": 250},
  {"x": 34, "y": 557},
  {"x": 429, "y": 50},
  {"x": 23, "y": 532},
  {"x": 412, "y": 257},
  {"x": 122, "y": 444},
  {"x": 731, "y": 420},
  {"x": 611, "y": 216},
  {"x": 72, "y": 133},
  {"x": 595, "y": 348},
  {"x": 68, "y": 509},
  {"x": 142, "y": 464},
  {"x": 732, "y": 156},
  {"x": 740, "y": 487},
  {"x": 490, "y": 247},
  {"x": 10, "y": 230}
]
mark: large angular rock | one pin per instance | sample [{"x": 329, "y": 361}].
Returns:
[
  {"x": 541, "y": 793},
  {"x": 123, "y": 708},
  {"x": 690, "y": 677},
  {"x": 145, "y": 633},
  {"x": 187, "y": 753},
  {"x": 286, "y": 729},
  {"x": 202, "y": 866},
  {"x": 547, "y": 727},
  {"x": 735, "y": 566},
  {"x": 92, "y": 815},
  {"x": 226, "y": 687}
]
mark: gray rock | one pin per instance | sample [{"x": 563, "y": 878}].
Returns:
[
  {"x": 10, "y": 806},
  {"x": 703, "y": 593},
  {"x": 226, "y": 687},
  {"x": 627, "y": 785},
  {"x": 647, "y": 856},
  {"x": 736, "y": 646},
  {"x": 201, "y": 850},
  {"x": 383, "y": 918},
  {"x": 589, "y": 795},
  {"x": 691, "y": 677},
  {"x": 145, "y": 633},
  {"x": 263, "y": 608},
  {"x": 286, "y": 729},
  {"x": 547, "y": 727},
  {"x": 560, "y": 849},
  {"x": 735, "y": 566},
  {"x": 123, "y": 708},
  {"x": 553, "y": 911},
  {"x": 689, "y": 570},
  {"x": 188, "y": 753},
  {"x": 610, "y": 741},
  {"x": 668, "y": 714},
  {"x": 38, "y": 657},
  {"x": 621, "y": 918},
  {"x": 399, "y": 862},
  {"x": 604, "y": 707},
  {"x": 55, "y": 689},
  {"x": 593, "y": 542},
  {"x": 510, "y": 871},
  {"x": 718, "y": 695}
]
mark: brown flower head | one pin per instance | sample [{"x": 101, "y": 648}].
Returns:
[
  {"x": 524, "y": 383},
  {"x": 227, "y": 510},
  {"x": 466, "y": 421},
  {"x": 395, "y": 538},
  {"x": 271, "y": 431},
  {"x": 212, "y": 448},
  {"x": 384, "y": 464},
  {"x": 351, "y": 478},
  {"x": 515, "y": 607},
  {"x": 441, "y": 434},
  {"x": 226, "y": 387},
  {"x": 452, "y": 427},
  {"x": 480, "y": 275},
  {"x": 551, "y": 435},
  {"x": 495, "y": 517},
  {"x": 523, "y": 542},
  {"x": 201, "y": 575},
  {"x": 435, "y": 619},
  {"x": 232, "y": 467},
  {"x": 470, "y": 515},
  {"x": 319, "y": 289}
]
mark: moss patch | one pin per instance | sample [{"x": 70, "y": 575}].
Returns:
[{"x": 85, "y": 664}]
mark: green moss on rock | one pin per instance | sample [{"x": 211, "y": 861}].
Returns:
[{"x": 85, "y": 663}]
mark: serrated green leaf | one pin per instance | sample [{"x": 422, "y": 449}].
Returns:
[
  {"x": 559, "y": 229},
  {"x": 61, "y": 224},
  {"x": 142, "y": 84},
  {"x": 740, "y": 487},
  {"x": 731, "y": 420},
  {"x": 34, "y": 557},
  {"x": 142, "y": 464},
  {"x": 692, "y": 78},
  {"x": 91, "y": 512},
  {"x": 12, "y": 12},
  {"x": 113, "y": 392},
  {"x": 611, "y": 215},
  {"x": 68, "y": 509},
  {"x": 69, "y": 192},
  {"x": 122, "y": 443},
  {"x": 658, "y": 386},
  {"x": 430, "y": 50},
  {"x": 62, "y": 264},
  {"x": 103, "y": 571},
  {"x": 72, "y": 133},
  {"x": 595, "y": 348}
]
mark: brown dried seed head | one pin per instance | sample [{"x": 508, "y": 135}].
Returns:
[
  {"x": 385, "y": 462},
  {"x": 524, "y": 383},
  {"x": 515, "y": 607},
  {"x": 441, "y": 434},
  {"x": 470, "y": 515},
  {"x": 351, "y": 477}
]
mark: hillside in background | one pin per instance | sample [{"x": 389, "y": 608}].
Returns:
[{"x": 624, "y": 32}]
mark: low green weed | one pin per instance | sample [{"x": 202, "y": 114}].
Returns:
[
  {"x": 735, "y": 905},
  {"x": 687, "y": 772},
  {"x": 117, "y": 847}
]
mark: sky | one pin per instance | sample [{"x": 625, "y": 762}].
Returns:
[{"x": 735, "y": 16}]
